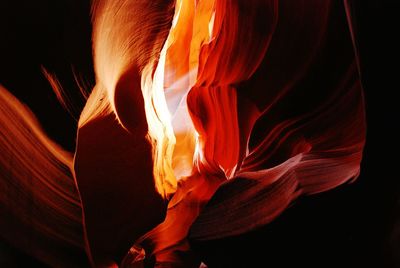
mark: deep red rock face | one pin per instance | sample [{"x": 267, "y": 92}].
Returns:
[{"x": 208, "y": 119}]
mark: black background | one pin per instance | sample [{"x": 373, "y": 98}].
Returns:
[{"x": 355, "y": 225}]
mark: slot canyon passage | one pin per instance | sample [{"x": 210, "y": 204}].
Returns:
[{"x": 198, "y": 133}]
